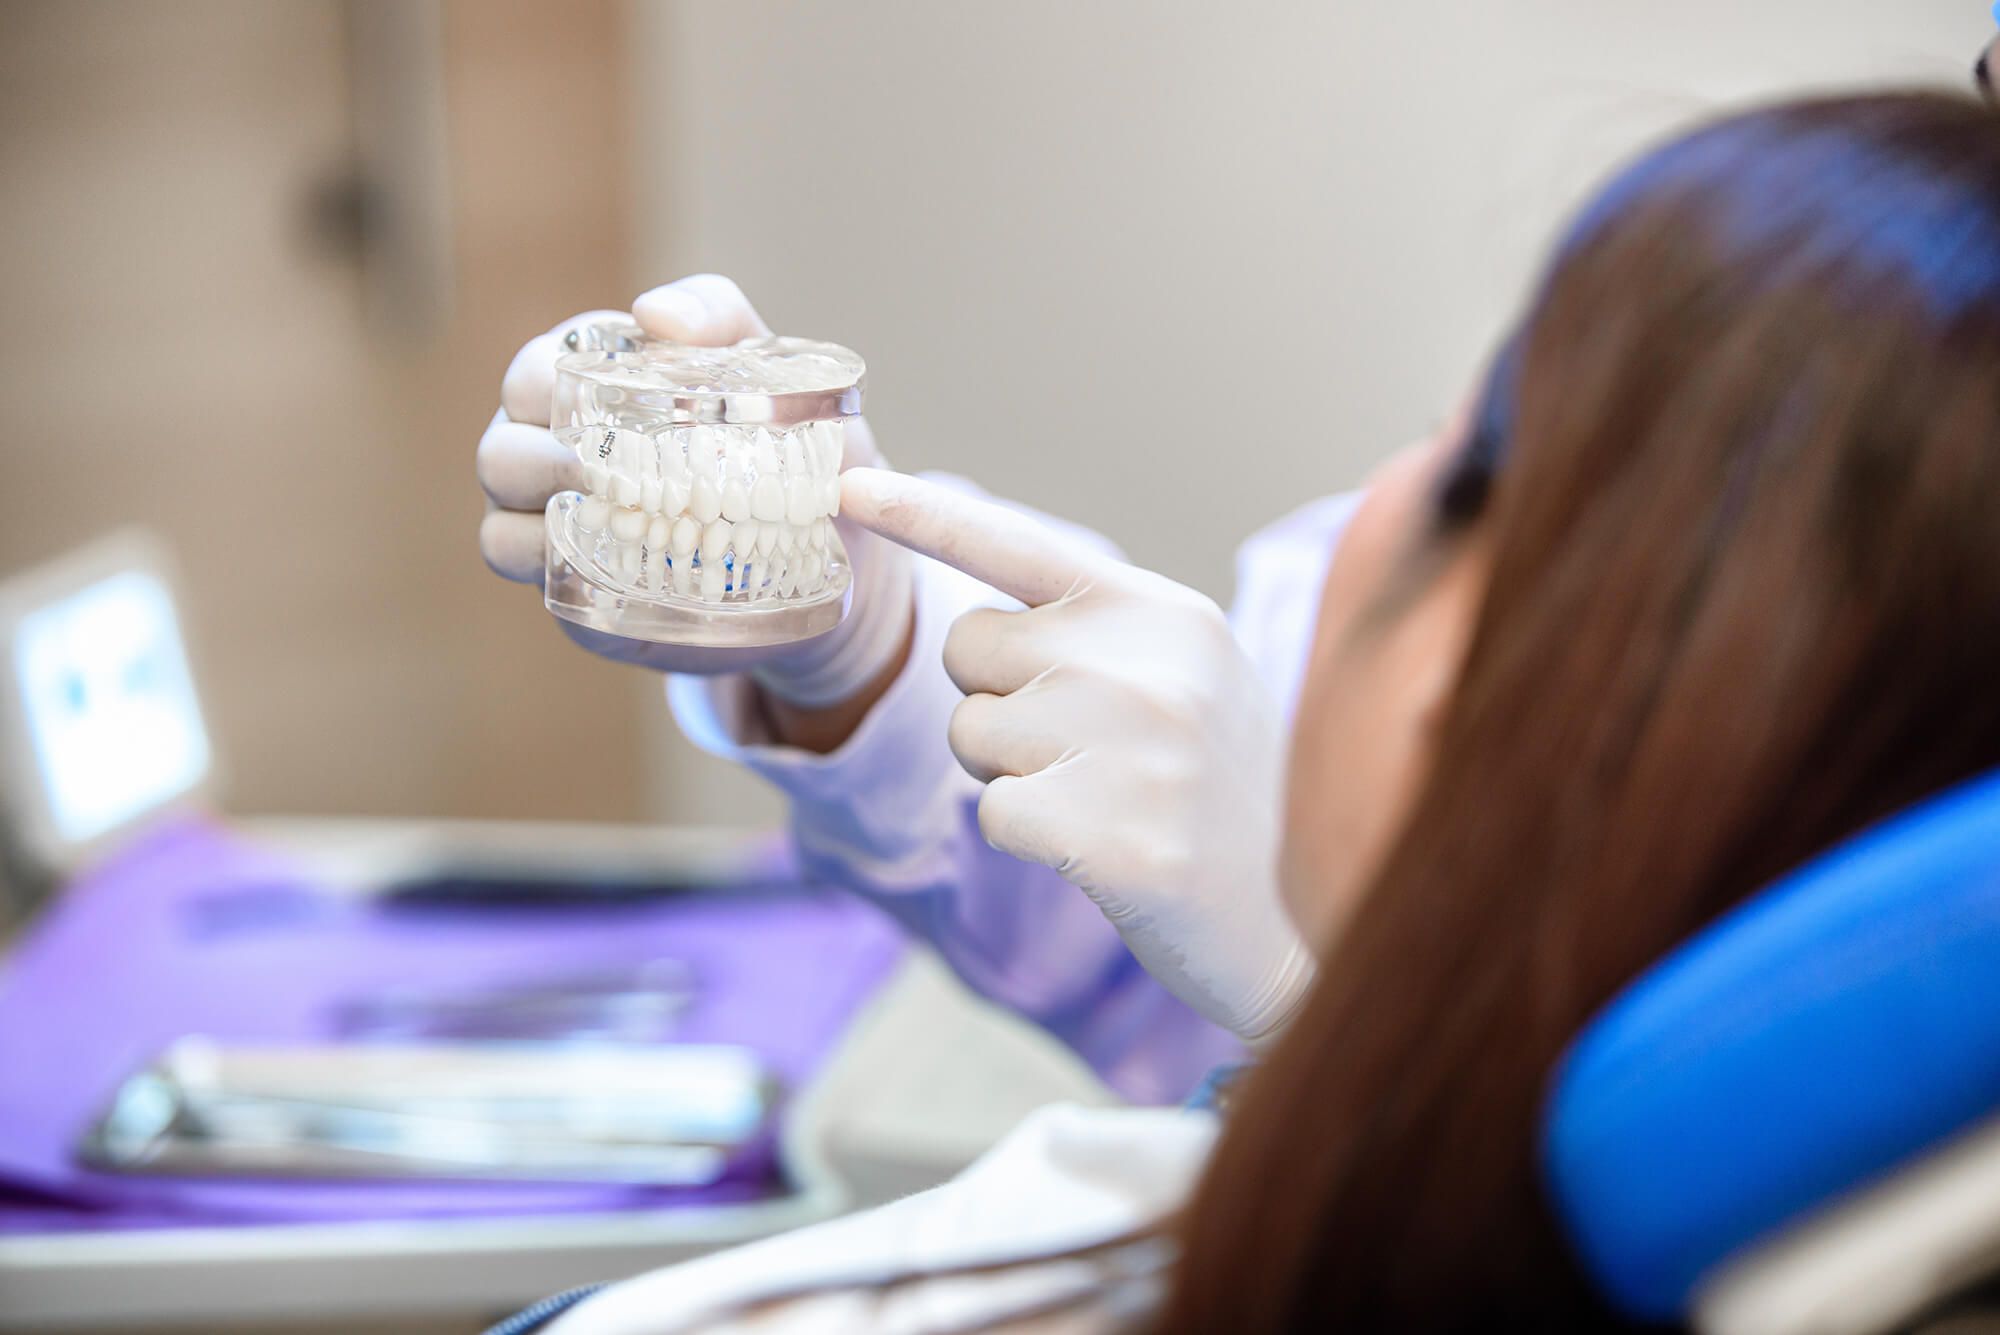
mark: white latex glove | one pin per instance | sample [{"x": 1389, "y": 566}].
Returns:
[
  {"x": 1125, "y": 741},
  {"x": 521, "y": 465}
]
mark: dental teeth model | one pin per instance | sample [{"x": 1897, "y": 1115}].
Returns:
[{"x": 711, "y": 478}]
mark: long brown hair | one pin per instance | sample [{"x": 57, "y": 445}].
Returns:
[{"x": 1744, "y": 599}]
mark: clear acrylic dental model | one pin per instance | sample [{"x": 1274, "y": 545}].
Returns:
[{"x": 711, "y": 478}]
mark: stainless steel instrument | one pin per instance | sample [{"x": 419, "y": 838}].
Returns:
[{"x": 664, "y": 1115}]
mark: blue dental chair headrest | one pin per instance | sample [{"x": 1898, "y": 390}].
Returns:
[{"x": 1839, "y": 1025}]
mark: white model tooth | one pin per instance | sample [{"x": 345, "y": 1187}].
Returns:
[
  {"x": 767, "y": 538},
  {"x": 712, "y": 580},
  {"x": 704, "y": 451},
  {"x": 705, "y": 498},
  {"x": 801, "y": 493},
  {"x": 743, "y": 540},
  {"x": 829, "y": 495},
  {"x": 651, "y": 495},
  {"x": 628, "y": 525},
  {"x": 625, "y": 446},
  {"x": 656, "y": 568},
  {"x": 714, "y": 543},
  {"x": 593, "y": 447},
  {"x": 659, "y": 534},
  {"x": 628, "y": 449},
  {"x": 686, "y": 536},
  {"x": 763, "y": 452},
  {"x": 682, "y": 539},
  {"x": 808, "y": 438},
  {"x": 822, "y": 535},
  {"x": 820, "y": 450},
  {"x": 834, "y": 434},
  {"x": 619, "y": 488},
  {"x": 735, "y": 501},
  {"x": 673, "y": 496},
  {"x": 629, "y": 559},
  {"x": 650, "y": 463},
  {"x": 788, "y": 538},
  {"x": 786, "y": 578},
  {"x": 593, "y": 514},
  {"x": 767, "y": 499},
  {"x": 795, "y": 454},
  {"x": 673, "y": 456},
  {"x": 810, "y": 567}
]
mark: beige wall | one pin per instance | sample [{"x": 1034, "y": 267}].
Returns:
[
  {"x": 1166, "y": 268},
  {"x": 1171, "y": 268},
  {"x": 178, "y": 352}
]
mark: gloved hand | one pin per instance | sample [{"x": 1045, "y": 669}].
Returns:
[
  {"x": 521, "y": 465},
  {"x": 1125, "y": 741}
]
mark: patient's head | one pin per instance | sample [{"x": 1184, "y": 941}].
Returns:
[{"x": 1713, "y": 581}]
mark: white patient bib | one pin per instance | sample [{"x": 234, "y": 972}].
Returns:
[{"x": 1067, "y": 1179}]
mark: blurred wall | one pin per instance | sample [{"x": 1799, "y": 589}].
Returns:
[
  {"x": 1170, "y": 269},
  {"x": 215, "y": 328},
  {"x": 1167, "y": 269}
]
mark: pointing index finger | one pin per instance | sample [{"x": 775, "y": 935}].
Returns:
[{"x": 995, "y": 545}]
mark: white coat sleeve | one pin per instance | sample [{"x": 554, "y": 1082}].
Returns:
[{"x": 890, "y": 815}]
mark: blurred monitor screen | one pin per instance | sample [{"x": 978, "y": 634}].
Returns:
[
  {"x": 109, "y": 705},
  {"x": 106, "y": 723}
]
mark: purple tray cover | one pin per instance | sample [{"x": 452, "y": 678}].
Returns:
[{"x": 195, "y": 930}]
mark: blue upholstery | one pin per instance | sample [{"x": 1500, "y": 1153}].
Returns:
[{"x": 1837, "y": 1025}]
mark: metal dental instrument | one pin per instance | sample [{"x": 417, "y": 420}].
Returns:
[{"x": 669, "y": 1115}]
